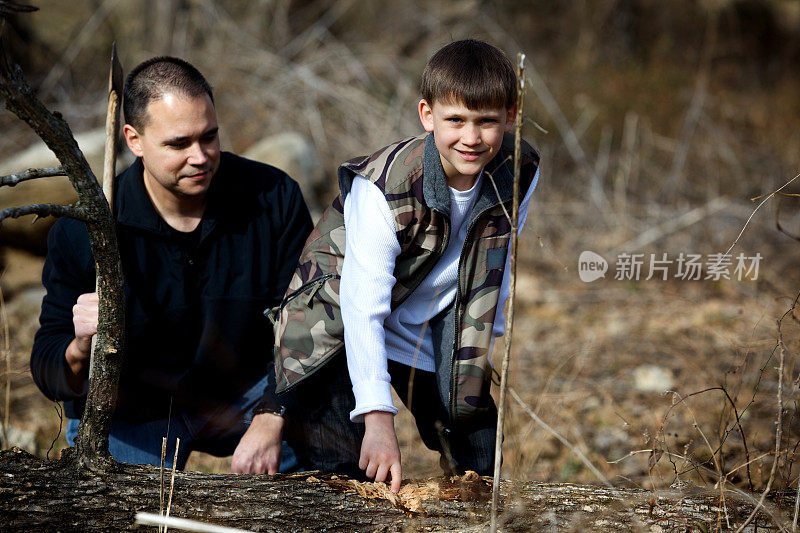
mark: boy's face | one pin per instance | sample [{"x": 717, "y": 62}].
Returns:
[{"x": 467, "y": 139}]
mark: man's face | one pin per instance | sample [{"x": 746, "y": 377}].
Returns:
[
  {"x": 467, "y": 139},
  {"x": 179, "y": 145}
]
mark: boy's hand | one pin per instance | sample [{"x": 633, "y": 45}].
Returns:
[
  {"x": 380, "y": 453},
  {"x": 259, "y": 451}
]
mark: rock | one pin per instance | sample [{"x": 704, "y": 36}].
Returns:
[
  {"x": 20, "y": 232},
  {"x": 652, "y": 378},
  {"x": 295, "y": 155}
]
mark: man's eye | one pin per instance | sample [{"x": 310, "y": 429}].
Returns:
[
  {"x": 209, "y": 138},
  {"x": 178, "y": 145}
]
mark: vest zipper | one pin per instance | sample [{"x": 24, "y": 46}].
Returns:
[{"x": 457, "y": 310}]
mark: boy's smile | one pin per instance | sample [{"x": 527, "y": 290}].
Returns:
[{"x": 467, "y": 139}]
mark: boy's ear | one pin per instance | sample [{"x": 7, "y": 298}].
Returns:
[
  {"x": 133, "y": 139},
  {"x": 511, "y": 118},
  {"x": 426, "y": 115}
]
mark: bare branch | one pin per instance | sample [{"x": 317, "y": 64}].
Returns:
[
  {"x": 31, "y": 174},
  {"x": 43, "y": 210},
  {"x": 10, "y": 8}
]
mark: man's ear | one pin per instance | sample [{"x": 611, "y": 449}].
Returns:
[
  {"x": 426, "y": 115},
  {"x": 133, "y": 139},
  {"x": 511, "y": 118}
]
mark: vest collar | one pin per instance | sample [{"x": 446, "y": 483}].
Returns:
[{"x": 434, "y": 181}]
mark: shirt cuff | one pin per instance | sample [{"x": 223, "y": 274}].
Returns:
[{"x": 371, "y": 396}]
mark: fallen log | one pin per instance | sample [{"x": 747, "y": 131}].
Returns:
[{"x": 39, "y": 495}]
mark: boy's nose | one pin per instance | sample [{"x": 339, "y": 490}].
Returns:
[{"x": 471, "y": 136}]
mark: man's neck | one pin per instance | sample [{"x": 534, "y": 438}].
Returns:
[{"x": 183, "y": 213}]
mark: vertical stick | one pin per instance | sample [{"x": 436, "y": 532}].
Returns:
[
  {"x": 501, "y": 411},
  {"x": 112, "y": 143},
  {"x": 6, "y": 351},
  {"x": 172, "y": 479},
  {"x": 161, "y": 485}
]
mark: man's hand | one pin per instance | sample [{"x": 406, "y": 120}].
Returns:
[
  {"x": 380, "y": 453},
  {"x": 84, "y": 317},
  {"x": 259, "y": 451}
]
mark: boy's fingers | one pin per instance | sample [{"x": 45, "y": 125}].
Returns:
[
  {"x": 383, "y": 470},
  {"x": 372, "y": 467},
  {"x": 397, "y": 477}
]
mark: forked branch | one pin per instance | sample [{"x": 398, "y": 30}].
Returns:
[{"x": 30, "y": 174}]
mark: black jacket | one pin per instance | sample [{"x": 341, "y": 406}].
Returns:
[{"x": 195, "y": 333}]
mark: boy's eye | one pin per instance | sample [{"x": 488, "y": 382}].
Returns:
[{"x": 455, "y": 120}]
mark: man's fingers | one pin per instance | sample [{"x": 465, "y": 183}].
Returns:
[
  {"x": 363, "y": 462},
  {"x": 397, "y": 477},
  {"x": 273, "y": 464}
]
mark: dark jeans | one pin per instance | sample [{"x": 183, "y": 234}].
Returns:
[
  {"x": 320, "y": 431},
  {"x": 217, "y": 434}
]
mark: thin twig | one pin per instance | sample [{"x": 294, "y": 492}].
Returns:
[
  {"x": 509, "y": 319},
  {"x": 43, "y": 210},
  {"x": 161, "y": 484},
  {"x": 796, "y": 505},
  {"x": 150, "y": 519},
  {"x": 770, "y": 195},
  {"x": 7, "y": 353},
  {"x": 172, "y": 479},
  {"x": 778, "y": 430},
  {"x": 31, "y": 174},
  {"x": 563, "y": 441}
]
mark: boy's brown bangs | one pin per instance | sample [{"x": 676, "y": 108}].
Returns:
[{"x": 472, "y": 73}]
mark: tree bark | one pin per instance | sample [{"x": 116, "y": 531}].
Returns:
[{"x": 38, "y": 495}]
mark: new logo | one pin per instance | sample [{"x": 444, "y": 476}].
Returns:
[{"x": 591, "y": 266}]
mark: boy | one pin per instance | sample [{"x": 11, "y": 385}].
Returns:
[{"x": 419, "y": 293}]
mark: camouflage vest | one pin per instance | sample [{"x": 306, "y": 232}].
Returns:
[{"x": 308, "y": 323}]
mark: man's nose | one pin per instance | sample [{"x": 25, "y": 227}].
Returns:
[{"x": 197, "y": 155}]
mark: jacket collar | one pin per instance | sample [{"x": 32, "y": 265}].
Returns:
[
  {"x": 135, "y": 209},
  {"x": 435, "y": 189}
]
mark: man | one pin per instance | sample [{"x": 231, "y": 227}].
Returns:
[{"x": 208, "y": 240}]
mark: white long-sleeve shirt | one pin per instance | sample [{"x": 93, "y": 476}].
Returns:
[{"x": 373, "y": 333}]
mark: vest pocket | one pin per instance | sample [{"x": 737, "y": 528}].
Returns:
[{"x": 310, "y": 287}]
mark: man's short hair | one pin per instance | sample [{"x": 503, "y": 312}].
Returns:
[
  {"x": 152, "y": 79},
  {"x": 470, "y": 72}
]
